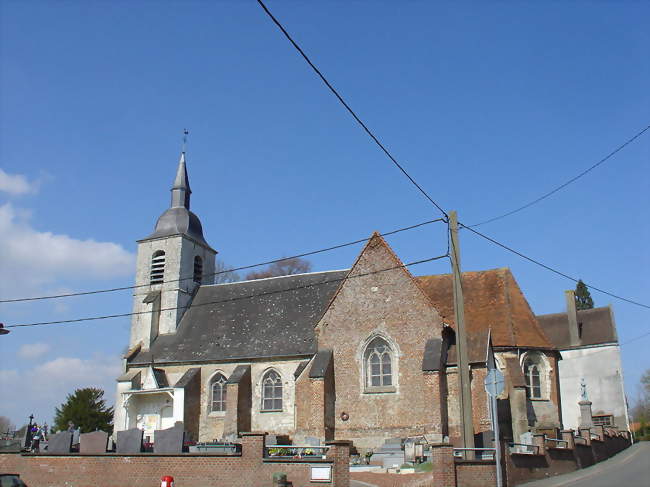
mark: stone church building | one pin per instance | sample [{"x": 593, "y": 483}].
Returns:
[{"x": 364, "y": 354}]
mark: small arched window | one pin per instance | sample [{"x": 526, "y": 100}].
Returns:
[
  {"x": 198, "y": 269},
  {"x": 157, "y": 274},
  {"x": 532, "y": 373},
  {"x": 272, "y": 391},
  {"x": 378, "y": 363},
  {"x": 218, "y": 391}
]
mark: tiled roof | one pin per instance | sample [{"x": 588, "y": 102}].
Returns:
[
  {"x": 493, "y": 300},
  {"x": 597, "y": 327},
  {"x": 264, "y": 318}
]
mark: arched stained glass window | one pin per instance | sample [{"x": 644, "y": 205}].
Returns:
[
  {"x": 533, "y": 378},
  {"x": 271, "y": 391},
  {"x": 218, "y": 390},
  {"x": 378, "y": 363}
]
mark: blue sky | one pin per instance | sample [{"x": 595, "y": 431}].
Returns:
[{"x": 488, "y": 105}]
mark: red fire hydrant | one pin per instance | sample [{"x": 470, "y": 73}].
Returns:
[{"x": 167, "y": 481}]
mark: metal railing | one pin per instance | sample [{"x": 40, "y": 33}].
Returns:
[
  {"x": 295, "y": 451},
  {"x": 558, "y": 440},
  {"x": 480, "y": 453}
]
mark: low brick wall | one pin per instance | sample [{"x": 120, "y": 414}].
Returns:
[
  {"x": 478, "y": 473},
  {"x": 249, "y": 469},
  {"x": 554, "y": 461}
]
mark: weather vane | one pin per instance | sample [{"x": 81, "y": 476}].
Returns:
[{"x": 185, "y": 132}]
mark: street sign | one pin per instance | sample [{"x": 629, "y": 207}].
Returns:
[{"x": 494, "y": 382}]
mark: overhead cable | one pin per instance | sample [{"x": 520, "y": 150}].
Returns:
[
  {"x": 238, "y": 298},
  {"x": 347, "y": 107},
  {"x": 564, "y": 185},
  {"x": 530, "y": 259},
  {"x": 234, "y": 269}
]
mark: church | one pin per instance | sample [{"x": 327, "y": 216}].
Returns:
[{"x": 364, "y": 354}]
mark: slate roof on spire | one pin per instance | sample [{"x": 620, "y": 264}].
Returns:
[
  {"x": 182, "y": 181},
  {"x": 178, "y": 219}
]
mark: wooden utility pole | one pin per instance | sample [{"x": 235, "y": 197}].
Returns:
[{"x": 465, "y": 400}]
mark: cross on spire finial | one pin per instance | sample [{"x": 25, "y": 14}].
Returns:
[{"x": 185, "y": 133}]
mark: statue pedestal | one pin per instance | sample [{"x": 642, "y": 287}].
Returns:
[{"x": 585, "y": 414}]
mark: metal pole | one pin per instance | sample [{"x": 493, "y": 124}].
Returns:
[
  {"x": 467, "y": 423},
  {"x": 497, "y": 439}
]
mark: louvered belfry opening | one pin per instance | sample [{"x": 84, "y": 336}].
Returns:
[
  {"x": 157, "y": 274},
  {"x": 198, "y": 269}
]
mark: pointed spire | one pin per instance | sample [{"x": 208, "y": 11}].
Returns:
[{"x": 181, "y": 190}]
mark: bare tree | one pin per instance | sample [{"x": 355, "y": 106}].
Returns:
[
  {"x": 285, "y": 267},
  {"x": 6, "y": 424},
  {"x": 223, "y": 274}
]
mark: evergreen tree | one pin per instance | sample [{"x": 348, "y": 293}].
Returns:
[
  {"x": 86, "y": 408},
  {"x": 583, "y": 296}
]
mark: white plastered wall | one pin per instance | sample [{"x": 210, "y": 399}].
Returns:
[{"x": 603, "y": 373}]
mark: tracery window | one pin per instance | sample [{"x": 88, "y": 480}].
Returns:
[
  {"x": 272, "y": 391},
  {"x": 218, "y": 391},
  {"x": 532, "y": 375},
  {"x": 157, "y": 273},
  {"x": 378, "y": 363},
  {"x": 198, "y": 269}
]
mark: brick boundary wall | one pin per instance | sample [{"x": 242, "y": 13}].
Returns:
[
  {"x": 554, "y": 461},
  {"x": 250, "y": 469},
  {"x": 475, "y": 473}
]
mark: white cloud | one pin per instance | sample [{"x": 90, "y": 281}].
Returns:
[
  {"x": 17, "y": 184},
  {"x": 33, "y": 350},
  {"x": 35, "y": 259},
  {"x": 44, "y": 387}
]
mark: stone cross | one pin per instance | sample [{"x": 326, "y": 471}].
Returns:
[{"x": 583, "y": 390}]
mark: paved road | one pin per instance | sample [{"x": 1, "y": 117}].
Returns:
[{"x": 630, "y": 468}]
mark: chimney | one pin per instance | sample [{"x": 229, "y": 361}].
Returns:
[{"x": 572, "y": 315}]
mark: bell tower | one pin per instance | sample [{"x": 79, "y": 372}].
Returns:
[{"x": 171, "y": 264}]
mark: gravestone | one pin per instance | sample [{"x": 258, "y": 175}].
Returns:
[
  {"x": 75, "y": 436},
  {"x": 312, "y": 441},
  {"x": 10, "y": 446},
  {"x": 169, "y": 440},
  {"x": 94, "y": 442},
  {"x": 60, "y": 443},
  {"x": 129, "y": 441},
  {"x": 271, "y": 440}
]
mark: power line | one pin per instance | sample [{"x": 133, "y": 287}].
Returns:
[
  {"x": 347, "y": 107},
  {"x": 564, "y": 185},
  {"x": 122, "y": 315},
  {"x": 304, "y": 254},
  {"x": 399, "y": 166},
  {"x": 530, "y": 259}
]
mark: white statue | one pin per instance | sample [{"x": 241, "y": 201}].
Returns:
[{"x": 583, "y": 390}]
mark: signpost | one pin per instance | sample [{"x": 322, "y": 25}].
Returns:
[{"x": 494, "y": 386}]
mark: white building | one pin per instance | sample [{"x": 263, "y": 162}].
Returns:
[{"x": 588, "y": 343}]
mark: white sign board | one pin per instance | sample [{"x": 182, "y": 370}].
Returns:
[{"x": 321, "y": 473}]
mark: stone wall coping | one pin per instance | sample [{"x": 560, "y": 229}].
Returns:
[
  {"x": 297, "y": 460},
  {"x": 126, "y": 455},
  {"x": 473, "y": 462}
]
